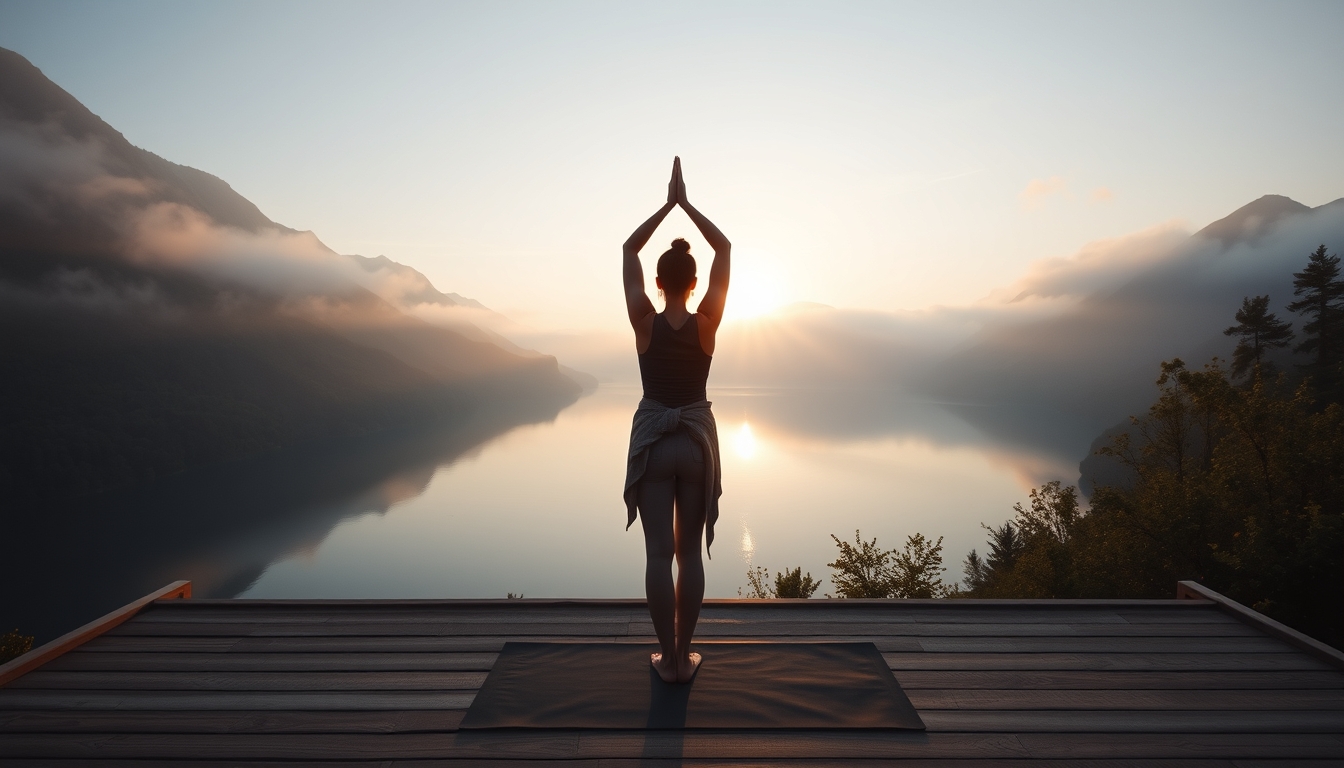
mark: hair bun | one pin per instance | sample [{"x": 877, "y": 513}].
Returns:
[{"x": 680, "y": 244}]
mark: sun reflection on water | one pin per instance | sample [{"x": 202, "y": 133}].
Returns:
[{"x": 745, "y": 442}]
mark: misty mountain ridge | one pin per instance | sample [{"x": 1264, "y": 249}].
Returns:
[
  {"x": 1047, "y": 364},
  {"x": 154, "y": 319}
]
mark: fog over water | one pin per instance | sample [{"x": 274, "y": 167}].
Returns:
[{"x": 538, "y": 511}]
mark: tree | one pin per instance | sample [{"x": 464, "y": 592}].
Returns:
[
  {"x": 758, "y": 584},
  {"x": 918, "y": 568},
  {"x": 864, "y": 569},
  {"x": 1260, "y": 331},
  {"x": 792, "y": 583},
  {"x": 13, "y": 645},
  {"x": 788, "y": 583},
  {"x": 1322, "y": 299}
]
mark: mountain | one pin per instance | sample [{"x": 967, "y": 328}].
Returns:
[
  {"x": 1056, "y": 382},
  {"x": 152, "y": 319},
  {"x": 1252, "y": 220}
]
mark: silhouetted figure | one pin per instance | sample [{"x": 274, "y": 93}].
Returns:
[{"x": 672, "y": 478}]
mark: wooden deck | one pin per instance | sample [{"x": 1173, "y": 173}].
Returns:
[{"x": 1104, "y": 683}]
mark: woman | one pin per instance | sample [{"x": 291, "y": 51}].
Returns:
[{"x": 672, "y": 477}]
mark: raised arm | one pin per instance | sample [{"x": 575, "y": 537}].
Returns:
[
  {"x": 637, "y": 303},
  {"x": 711, "y": 306}
]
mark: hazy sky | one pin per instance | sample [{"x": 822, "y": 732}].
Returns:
[{"x": 881, "y": 155}]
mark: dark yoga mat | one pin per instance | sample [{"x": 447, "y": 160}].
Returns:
[{"x": 740, "y": 685}]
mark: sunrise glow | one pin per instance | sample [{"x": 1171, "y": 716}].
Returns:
[{"x": 745, "y": 442}]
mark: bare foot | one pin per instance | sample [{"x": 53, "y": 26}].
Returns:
[
  {"x": 667, "y": 671},
  {"x": 687, "y": 668}
]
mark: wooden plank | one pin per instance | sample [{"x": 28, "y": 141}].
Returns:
[
  {"x": 384, "y": 615},
  {"x": 1139, "y": 723},
  {"x": 1088, "y": 680},
  {"x": 1209, "y": 614},
  {"x": 305, "y": 644},
  {"x": 1190, "y": 662},
  {"x": 177, "y": 700},
  {"x": 323, "y": 629},
  {"x": 278, "y": 662},
  {"x": 35, "y": 658},
  {"x": 632, "y": 603},
  {"x": 757, "y": 745},
  {"x": 1259, "y": 700},
  {"x": 1229, "y": 745},
  {"x": 819, "y": 613},
  {"x": 704, "y": 629},
  {"x": 1190, "y": 590},
  {"x": 246, "y": 721},
  {"x": 678, "y": 762},
  {"x": 1103, "y": 645},
  {"x": 252, "y": 681},
  {"x": 418, "y": 644},
  {"x": 782, "y": 629}
]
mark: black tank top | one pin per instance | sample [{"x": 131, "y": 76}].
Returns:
[{"x": 675, "y": 367}]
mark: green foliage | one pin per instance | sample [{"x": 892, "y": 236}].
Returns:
[
  {"x": 1322, "y": 301},
  {"x": 758, "y": 584},
  {"x": 1260, "y": 331},
  {"x": 865, "y": 570},
  {"x": 13, "y": 645},
  {"x": 792, "y": 583},
  {"x": 788, "y": 583},
  {"x": 1240, "y": 488}
]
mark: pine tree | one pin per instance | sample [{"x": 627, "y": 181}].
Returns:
[
  {"x": 1322, "y": 293},
  {"x": 1260, "y": 331}
]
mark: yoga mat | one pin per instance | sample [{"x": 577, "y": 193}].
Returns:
[{"x": 739, "y": 685}]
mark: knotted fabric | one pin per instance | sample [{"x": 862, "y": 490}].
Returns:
[{"x": 652, "y": 421}]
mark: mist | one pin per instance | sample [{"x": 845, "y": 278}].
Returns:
[{"x": 1038, "y": 368}]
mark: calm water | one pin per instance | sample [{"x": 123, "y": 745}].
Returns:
[
  {"x": 525, "y": 503},
  {"x": 538, "y": 511}
]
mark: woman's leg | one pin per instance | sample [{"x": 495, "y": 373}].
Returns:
[
  {"x": 689, "y": 526},
  {"x": 657, "y": 495}
]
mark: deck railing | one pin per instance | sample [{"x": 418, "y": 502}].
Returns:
[{"x": 39, "y": 656}]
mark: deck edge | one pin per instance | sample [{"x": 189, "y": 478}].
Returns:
[
  {"x": 35, "y": 658},
  {"x": 1193, "y": 590}
]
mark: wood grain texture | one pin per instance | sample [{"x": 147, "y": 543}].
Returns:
[
  {"x": 251, "y": 681},
  {"x": 1087, "y": 683},
  {"x": 678, "y": 762},
  {"x": 953, "y": 679},
  {"x": 667, "y": 744},
  {"x": 237, "y": 722},
  {"x": 273, "y": 662},
  {"x": 1073, "y": 700},
  {"x": 1190, "y": 662},
  {"x": 224, "y": 700},
  {"x": 370, "y": 629},
  {"x": 1138, "y": 723},
  {"x": 1190, "y": 590}
]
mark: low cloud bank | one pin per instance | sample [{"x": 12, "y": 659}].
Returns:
[{"x": 1045, "y": 365}]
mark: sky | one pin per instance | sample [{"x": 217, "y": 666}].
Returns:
[{"x": 863, "y": 155}]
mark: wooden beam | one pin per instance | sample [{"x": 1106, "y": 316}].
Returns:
[
  {"x": 39, "y": 656},
  {"x": 1191, "y": 590}
]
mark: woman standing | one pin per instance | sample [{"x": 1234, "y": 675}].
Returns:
[{"x": 672, "y": 476}]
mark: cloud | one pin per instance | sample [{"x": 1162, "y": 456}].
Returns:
[
  {"x": 1038, "y": 191},
  {"x": 1101, "y": 195},
  {"x": 1096, "y": 265}
]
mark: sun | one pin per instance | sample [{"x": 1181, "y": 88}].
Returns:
[{"x": 751, "y": 296}]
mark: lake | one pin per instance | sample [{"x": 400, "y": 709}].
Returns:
[{"x": 493, "y": 506}]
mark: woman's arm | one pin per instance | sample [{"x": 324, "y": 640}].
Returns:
[
  {"x": 717, "y": 293},
  {"x": 637, "y": 303}
]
